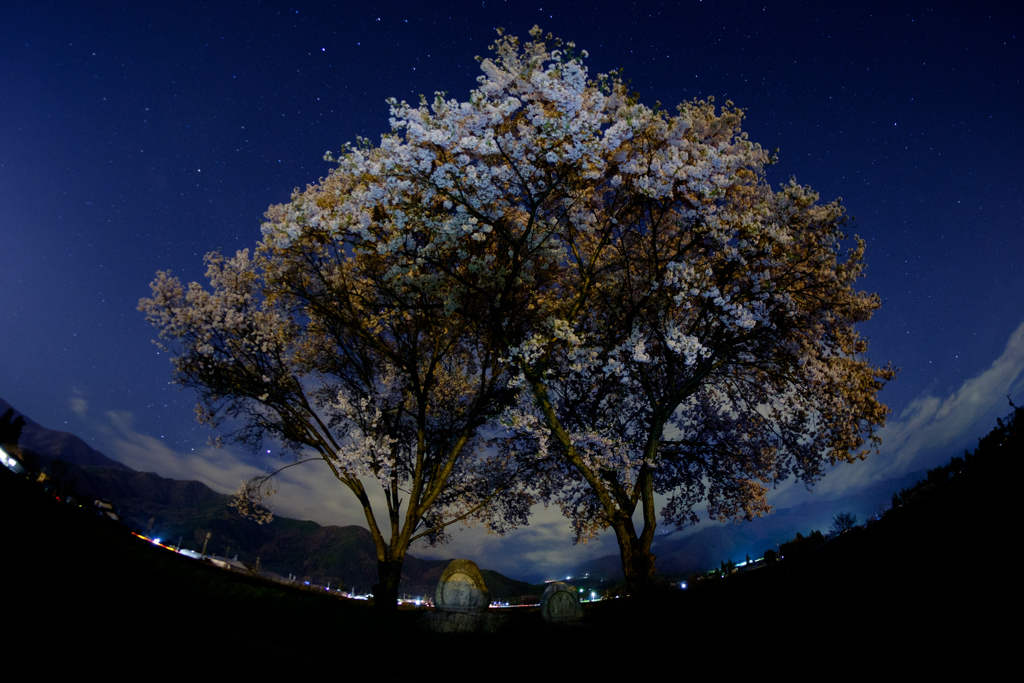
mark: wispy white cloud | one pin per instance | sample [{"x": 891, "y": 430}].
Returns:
[
  {"x": 79, "y": 406},
  {"x": 308, "y": 491},
  {"x": 221, "y": 470},
  {"x": 931, "y": 429},
  {"x": 929, "y": 423}
]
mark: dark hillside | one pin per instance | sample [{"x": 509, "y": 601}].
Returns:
[
  {"x": 929, "y": 576},
  {"x": 923, "y": 588}
]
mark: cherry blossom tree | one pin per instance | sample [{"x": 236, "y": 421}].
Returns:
[
  {"x": 668, "y": 324},
  {"x": 311, "y": 345},
  {"x": 679, "y": 327}
]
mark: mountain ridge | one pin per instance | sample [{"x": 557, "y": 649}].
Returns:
[{"x": 185, "y": 511}]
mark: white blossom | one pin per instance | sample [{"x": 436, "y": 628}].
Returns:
[{"x": 668, "y": 323}]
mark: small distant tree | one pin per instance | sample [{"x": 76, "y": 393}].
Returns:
[{"x": 843, "y": 522}]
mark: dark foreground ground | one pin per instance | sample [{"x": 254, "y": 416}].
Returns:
[{"x": 929, "y": 586}]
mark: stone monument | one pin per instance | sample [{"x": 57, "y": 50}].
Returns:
[
  {"x": 461, "y": 601},
  {"x": 560, "y": 603},
  {"x": 462, "y": 589}
]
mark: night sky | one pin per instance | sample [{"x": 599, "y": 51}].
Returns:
[{"x": 137, "y": 137}]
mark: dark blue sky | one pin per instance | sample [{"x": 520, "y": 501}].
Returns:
[{"x": 136, "y": 137}]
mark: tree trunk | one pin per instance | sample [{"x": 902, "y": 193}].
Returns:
[
  {"x": 635, "y": 550},
  {"x": 637, "y": 563},
  {"x": 385, "y": 591}
]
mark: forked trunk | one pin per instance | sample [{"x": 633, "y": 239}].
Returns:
[
  {"x": 385, "y": 591},
  {"x": 635, "y": 550},
  {"x": 637, "y": 564}
]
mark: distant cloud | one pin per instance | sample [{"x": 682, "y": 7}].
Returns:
[
  {"x": 308, "y": 491},
  {"x": 222, "y": 472},
  {"x": 79, "y": 406},
  {"x": 931, "y": 429},
  {"x": 929, "y": 423}
]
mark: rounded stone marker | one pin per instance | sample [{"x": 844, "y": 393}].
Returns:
[
  {"x": 560, "y": 603},
  {"x": 462, "y": 589}
]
